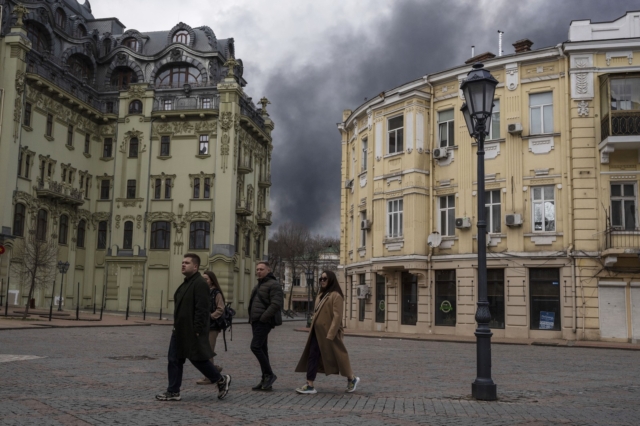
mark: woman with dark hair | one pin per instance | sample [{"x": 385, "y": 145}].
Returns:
[
  {"x": 217, "y": 309},
  {"x": 325, "y": 351}
]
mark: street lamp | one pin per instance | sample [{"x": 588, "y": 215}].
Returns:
[
  {"x": 478, "y": 89},
  {"x": 309, "y": 275},
  {"x": 63, "y": 267}
]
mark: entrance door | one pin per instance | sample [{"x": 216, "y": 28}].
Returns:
[
  {"x": 544, "y": 287},
  {"x": 380, "y": 298},
  {"x": 124, "y": 282},
  {"x": 613, "y": 309}
]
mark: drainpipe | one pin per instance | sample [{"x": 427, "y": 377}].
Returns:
[
  {"x": 113, "y": 197},
  {"x": 146, "y": 213},
  {"x": 431, "y": 147}
]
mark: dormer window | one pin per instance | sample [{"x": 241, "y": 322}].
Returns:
[
  {"x": 132, "y": 43},
  {"x": 61, "y": 18},
  {"x": 181, "y": 36},
  {"x": 38, "y": 37},
  {"x": 81, "y": 31}
]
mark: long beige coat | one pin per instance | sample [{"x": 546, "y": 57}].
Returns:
[{"x": 327, "y": 324}]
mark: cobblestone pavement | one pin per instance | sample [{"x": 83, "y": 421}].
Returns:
[{"x": 109, "y": 376}]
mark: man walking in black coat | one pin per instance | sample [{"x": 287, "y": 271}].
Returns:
[
  {"x": 265, "y": 305},
  {"x": 190, "y": 336}
]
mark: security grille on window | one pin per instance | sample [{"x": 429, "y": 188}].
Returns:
[
  {"x": 492, "y": 210},
  {"x": 445, "y": 128},
  {"x": 395, "y": 134},
  {"x": 131, "y": 188},
  {"x": 544, "y": 209},
  {"x": 541, "y": 112},
  {"x": 164, "y": 146},
  {"x": 203, "y": 148},
  {"x": 107, "y": 148},
  {"x": 623, "y": 206},
  {"x": 494, "y": 124},
  {"x": 394, "y": 214},
  {"x": 447, "y": 207}
]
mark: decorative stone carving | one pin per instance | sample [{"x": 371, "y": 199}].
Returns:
[
  {"x": 226, "y": 121},
  {"x": 176, "y": 54},
  {"x": 624, "y": 54},
  {"x": 491, "y": 150},
  {"x": 137, "y": 91},
  {"x": 582, "y": 76},
  {"x": 541, "y": 145},
  {"x": 121, "y": 58},
  {"x": 206, "y": 126},
  {"x": 583, "y": 109},
  {"x": 511, "y": 70}
]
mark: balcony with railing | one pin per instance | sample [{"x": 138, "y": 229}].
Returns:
[
  {"x": 620, "y": 112},
  {"x": 264, "y": 180},
  {"x": 244, "y": 207},
  {"x": 59, "y": 192},
  {"x": 249, "y": 110},
  {"x": 182, "y": 103},
  {"x": 264, "y": 218},
  {"x": 245, "y": 165}
]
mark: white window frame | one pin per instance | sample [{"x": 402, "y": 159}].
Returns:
[
  {"x": 622, "y": 198},
  {"x": 542, "y": 200},
  {"x": 447, "y": 215},
  {"x": 540, "y": 109},
  {"x": 495, "y": 116},
  {"x": 395, "y": 218},
  {"x": 396, "y": 131},
  {"x": 449, "y": 126},
  {"x": 489, "y": 203}
]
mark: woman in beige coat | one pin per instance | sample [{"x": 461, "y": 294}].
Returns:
[
  {"x": 325, "y": 351},
  {"x": 216, "y": 309}
]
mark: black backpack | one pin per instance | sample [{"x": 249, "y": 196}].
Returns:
[{"x": 225, "y": 321}]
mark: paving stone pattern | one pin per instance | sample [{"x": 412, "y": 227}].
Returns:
[{"x": 109, "y": 376}]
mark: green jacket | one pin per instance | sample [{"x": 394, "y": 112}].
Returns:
[
  {"x": 191, "y": 319},
  {"x": 266, "y": 300}
]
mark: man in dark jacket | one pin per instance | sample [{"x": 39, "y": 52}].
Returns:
[
  {"x": 190, "y": 336},
  {"x": 265, "y": 304}
]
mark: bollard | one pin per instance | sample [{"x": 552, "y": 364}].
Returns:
[
  {"x": 104, "y": 296},
  {"x": 161, "y": 291},
  {"x": 128, "y": 298},
  {"x": 144, "y": 311},
  {"x": 78, "y": 303},
  {"x": 53, "y": 290}
]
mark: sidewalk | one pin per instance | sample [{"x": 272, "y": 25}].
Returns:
[
  {"x": 494, "y": 340},
  {"x": 39, "y": 318}
]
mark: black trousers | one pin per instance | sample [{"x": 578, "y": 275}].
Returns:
[
  {"x": 176, "y": 366},
  {"x": 259, "y": 345},
  {"x": 314, "y": 358}
]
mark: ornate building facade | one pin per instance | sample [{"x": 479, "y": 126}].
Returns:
[
  {"x": 562, "y": 169},
  {"x": 129, "y": 149}
]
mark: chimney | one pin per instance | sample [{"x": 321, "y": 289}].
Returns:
[
  {"x": 500, "y": 42},
  {"x": 473, "y": 51},
  {"x": 523, "y": 45},
  {"x": 480, "y": 58}
]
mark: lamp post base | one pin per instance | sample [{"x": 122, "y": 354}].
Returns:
[{"x": 484, "y": 391}]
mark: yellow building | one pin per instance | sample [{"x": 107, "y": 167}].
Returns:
[
  {"x": 129, "y": 149},
  {"x": 561, "y": 182}
]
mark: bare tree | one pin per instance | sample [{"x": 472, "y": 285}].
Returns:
[
  {"x": 34, "y": 264},
  {"x": 319, "y": 255},
  {"x": 291, "y": 239}
]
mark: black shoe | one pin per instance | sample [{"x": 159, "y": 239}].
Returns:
[
  {"x": 168, "y": 396},
  {"x": 223, "y": 386},
  {"x": 268, "y": 382},
  {"x": 259, "y": 385}
]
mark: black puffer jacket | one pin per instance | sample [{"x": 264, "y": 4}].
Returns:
[{"x": 268, "y": 290}]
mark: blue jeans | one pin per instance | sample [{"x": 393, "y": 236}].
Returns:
[{"x": 176, "y": 366}]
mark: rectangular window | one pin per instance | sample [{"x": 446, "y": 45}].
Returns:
[
  {"x": 625, "y": 94},
  {"x": 257, "y": 249},
  {"x": 541, "y": 113},
  {"x": 27, "y": 166},
  {"x": 445, "y": 128},
  {"x": 380, "y": 298},
  {"x": 247, "y": 245},
  {"x": 492, "y": 211},
  {"x": 206, "y": 103},
  {"x": 167, "y": 188},
  {"x": 167, "y": 105},
  {"x": 447, "y": 207},
  {"x": 157, "y": 190},
  {"x": 49, "y": 169},
  {"x": 107, "y": 147},
  {"x": 296, "y": 282},
  {"x": 237, "y": 240},
  {"x": 409, "y": 299},
  {"x": 86, "y": 187},
  {"x": 81, "y": 181},
  {"x": 87, "y": 143},
  {"x": 109, "y": 107},
  {"x": 131, "y": 188},
  {"x": 196, "y": 188},
  {"x": 543, "y": 209},
  {"x": 361, "y": 302},
  {"x": 203, "y": 148},
  {"x": 494, "y": 124},
  {"x": 395, "y": 134},
  {"x": 623, "y": 206},
  {"x": 207, "y": 188},
  {"x": 49, "y": 129},
  {"x": 363, "y": 232},
  {"x": 27, "y": 115},
  {"x": 544, "y": 286},
  {"x": 495, "y": 295},
  {"x": 42, "y": 167},
  {"x": 164, "y": 146},
  {"x": 64, "y": 174},
  {"x": 363, "y": 160},
  {"x": 445, "y": 300},
  {"x": 70, "y": 135},
  {"x": 394, "y": 214},
  {"x": 20, "y": 164},
  {"x": 104, "y": 189},
  {"x": 133, "y": 148},
  {"x": 70, "y": 176}
]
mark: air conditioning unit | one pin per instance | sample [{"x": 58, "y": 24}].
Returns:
[
  {"x": 348, "y": 183},
  {"x": 365, "y": 224},
  {"x": 363, "y": 291},
  {"x": 463, "y": 222},
  {"x": 514, "y": 128},
  {"x": 513, "y": 219},
  {"x": 440, "y": 153}
]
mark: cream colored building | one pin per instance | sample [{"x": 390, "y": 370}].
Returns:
[
  {"x": 561, "y": 180},
  {"x": 129, "y": 149}
]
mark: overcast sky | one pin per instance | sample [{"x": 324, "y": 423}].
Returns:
[{"x": 313, "y": 59}]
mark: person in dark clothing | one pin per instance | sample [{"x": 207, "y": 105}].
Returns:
[
  {"x": 190, "y": 335},
  {"x": 265, "y": 303}
]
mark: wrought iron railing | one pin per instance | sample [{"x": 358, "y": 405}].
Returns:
[
  {"x": 61, "y": 189},
  {"x": 248, "y": 109},
  {"x": 619, "y": 237},
  {"x": 620, "y": 123},
  {"x": 186, "y": 103}
]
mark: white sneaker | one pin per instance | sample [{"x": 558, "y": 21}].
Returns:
[{"x": 352, "y": 384}]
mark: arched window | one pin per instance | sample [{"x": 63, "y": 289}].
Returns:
[
  {"x": 199, "y": 236},
  {"x": 41, "y": 225},
  {"x": 106, "y": 46},
  {"x": 122, "y": 77},
  {"x": 135, "y": 107},
  {"x": 177, "y": 75},
  {"x": 18, "y": 220},
  {"x": 61, "y": 18},
  {"x": 160, "y": 235},
  {"x": 133, "y": 148},
  {"x": 63, "y": 233},
  {"x": 38, "y": 37},
  {"x": 132, "y": 43},
  {"x": 82, "y": 228},
  {"x": 127, "y": 242},
  {"x": 102, "y": 235},
  {"x": 81, "y": 31},
  {"x": 181, "y": 36},
  {"x": 79, "y": 67}
]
